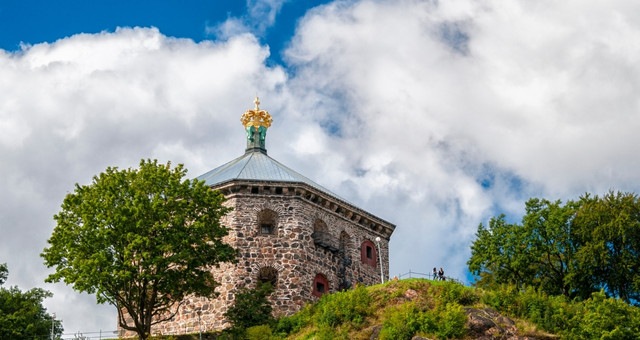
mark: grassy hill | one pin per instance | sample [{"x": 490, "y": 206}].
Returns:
[
  {"x": 400, "y": 309},
  {"x": 426, "y": 309}
]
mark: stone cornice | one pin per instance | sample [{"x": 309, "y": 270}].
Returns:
[{"x": 329, "y": 203}]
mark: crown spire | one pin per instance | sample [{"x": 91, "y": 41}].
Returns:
[{"x": 256, "y": 122}]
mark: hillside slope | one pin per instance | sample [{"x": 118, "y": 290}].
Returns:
[
  {"x": 425, "y": 309},
  {"x": 404, "y": 309}
]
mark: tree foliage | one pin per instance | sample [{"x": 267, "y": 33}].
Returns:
[
  {"x": 4, "y": 272},
  {"x": 22, "y": 315},
  {"x": 251, "y": 307},
  {"x": 573, "y": 249},
  {"x": 141, "y": 240},
  {"x": 609, "y": 240}
]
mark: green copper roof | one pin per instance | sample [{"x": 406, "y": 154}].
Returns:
[{"x": 256, "y": 165}]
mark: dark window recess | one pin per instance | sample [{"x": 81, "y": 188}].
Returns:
[
  {"x": 279, "y": 190},
  {"x": 369, "y": 252},
  {"x": 266, "y": 228},
  {"x": 322, "y": 237},
  {"x": 267, "y": 222},
  {"x": 320, "y": 285},
  {"x": 268, "y": 275},
  {"x": 254, "y": 190}
]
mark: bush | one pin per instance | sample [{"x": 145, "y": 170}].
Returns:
[
  {"x": 600, "y": 317},
  {"x": 457, "y": 293},
  {"x": 451, "y": 322},
  {"x": 251, "y": 308},
  {"x": 344, "y": 307},
  {"x": 401, "y": 322},
  {"x": 261, "y": 332}
]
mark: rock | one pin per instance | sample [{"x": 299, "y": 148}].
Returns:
[
  {"x": 375, "y": 333},
  {"x": 486, "y": 323},
  {"x": 410, "y": 294}
]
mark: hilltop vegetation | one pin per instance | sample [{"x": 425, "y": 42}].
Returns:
[
  {"x": 572, "y": 249},
  {"x": 429, "y": 309},
  {"x": 567, "y": 271}
]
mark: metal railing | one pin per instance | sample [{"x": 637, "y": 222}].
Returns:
[{"x": 435, "y": 277}]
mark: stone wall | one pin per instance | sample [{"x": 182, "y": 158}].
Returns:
[{"x": 293, "y": 251}]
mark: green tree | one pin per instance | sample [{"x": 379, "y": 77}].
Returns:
[
  {"x": 539, "y": 252},
  {"x": 551, "y": 244},
  {"x": 573, "y": 249},
  {"x": 609, "y": 229},
  {"x": 499, "y": 254},
  {"x": 141, "y": 240},
  {"x": 4, "y": 272},
  {"x": 22, "y": 315}
]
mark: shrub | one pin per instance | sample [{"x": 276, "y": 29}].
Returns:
[
  {"x": 251, "y": 308},
  {"x": 457, "y": 293},
  {"x": 401, "y": 322},
  {"x": 451, "y": 322},
  {"x": 600, "y": 317},
  {"x": 344, "y": 307},
  {"x": 261, "y": 332}
]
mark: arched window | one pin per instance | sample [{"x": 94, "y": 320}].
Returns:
[
  {"x": 321, "y": 234},
  {"x": 267, "y": 222},
  {"x": 368, "y": 253},
  {"x": 345, "y": 242},
  {"x": 268, "y": 275},
  {"x": 320, "y": 285}
]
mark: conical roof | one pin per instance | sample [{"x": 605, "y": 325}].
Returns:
[{"x": 255, "y": 164}]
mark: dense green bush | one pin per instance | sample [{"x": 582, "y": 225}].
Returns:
[
  {"x": 598, "y": 317},
  {"x": 261, "y": 332},
  {"x": 401, "y": 322},
  {"x": 344, "y": 307},
  {"x": 457, "y": 293},
  {"x": 603, "y": 318},
  {"x": 251, "y": 308}
]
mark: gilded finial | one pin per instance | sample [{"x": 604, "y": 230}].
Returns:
[
  {"x": 256, "y": 117},
  {"x": 256, "y": 122}
]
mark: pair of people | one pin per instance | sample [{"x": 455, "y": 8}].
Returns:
[{"x": 438, "y": 274}]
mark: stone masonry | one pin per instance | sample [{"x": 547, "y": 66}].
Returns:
[
  {"x": 288, "y": 231},
  {"x": 294, "y": 250}
]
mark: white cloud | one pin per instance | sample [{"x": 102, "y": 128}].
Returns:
[
  {"x": 71, "y": 108},
  {"x": 432, "y": 115},
  {"x": 260, "y": 16},
  {"x": 470, "y": 107}
]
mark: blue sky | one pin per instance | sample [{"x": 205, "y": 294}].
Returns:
[
  {"x": 433, "y": 115},
  {"x": 33, "y": 22}
]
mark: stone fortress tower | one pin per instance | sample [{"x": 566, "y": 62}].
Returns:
[{"x": 289, "y": 231}]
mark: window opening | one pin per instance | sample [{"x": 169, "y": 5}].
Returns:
[
  {"x": 267, "y": 222},
  {"x": 368, "y": 253},
  {"x": 268, "y": 275},
  {"x": 320, "y": 285}
]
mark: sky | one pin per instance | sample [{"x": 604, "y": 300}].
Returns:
[{"x": 433, "y": 115}]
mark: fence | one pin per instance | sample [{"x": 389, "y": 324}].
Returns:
[
  {"x": 99, "y": 335},
  {"x": 412, "y": 274}
]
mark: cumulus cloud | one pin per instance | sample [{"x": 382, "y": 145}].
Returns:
[
  {"x": 432, "y": 115},
  {"x": 260, "y": 16},
  {"x": 71, "y": 108},
  {"x": 449, "y": 112}
]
